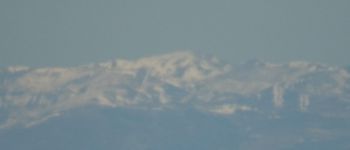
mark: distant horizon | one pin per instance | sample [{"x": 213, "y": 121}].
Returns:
[{"x": 171, "y": 52}]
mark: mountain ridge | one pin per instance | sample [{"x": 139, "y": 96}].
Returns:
[{"x": 30, "y": 96}]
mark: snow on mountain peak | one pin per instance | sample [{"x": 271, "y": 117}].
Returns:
[
  {"x": 182, "y": 65},
  {"x": 29, "y": 96}
]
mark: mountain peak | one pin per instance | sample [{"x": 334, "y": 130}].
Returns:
[{"x": 184, "y": 65}]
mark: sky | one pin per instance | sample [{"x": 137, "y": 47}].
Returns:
[{"x": 74, "y": 32}]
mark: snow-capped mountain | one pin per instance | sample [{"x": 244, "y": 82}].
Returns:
[
  {"x": 176, "y": 101},
  {"x": 30, "y": 96}
]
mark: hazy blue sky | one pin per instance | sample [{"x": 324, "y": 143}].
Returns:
[{"x": 72, "y": 32}]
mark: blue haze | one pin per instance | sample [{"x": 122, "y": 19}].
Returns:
[
  {"x": 72, "y": 32},
  {"x": 45, "y": 33}
]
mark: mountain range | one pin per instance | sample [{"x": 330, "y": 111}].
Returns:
[{"x": 174, "y": 101}]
